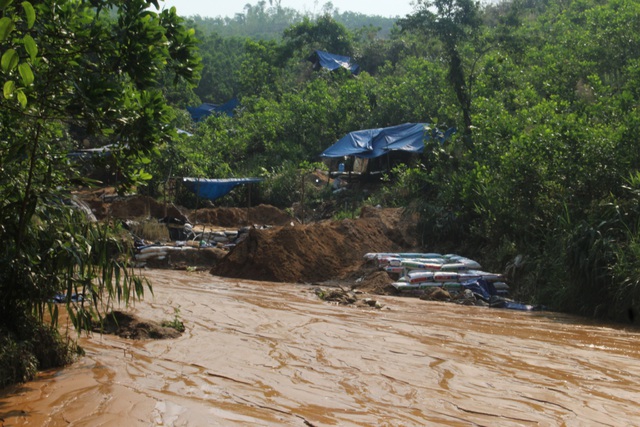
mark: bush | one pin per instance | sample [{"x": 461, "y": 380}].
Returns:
[
  {"x": 17, "y": 363},
  {"x": 30, "y": 347}
]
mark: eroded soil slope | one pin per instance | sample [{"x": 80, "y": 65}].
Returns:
[{"x": 330, "y": 250}]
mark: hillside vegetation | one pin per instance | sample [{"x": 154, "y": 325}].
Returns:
[{"x": 540, "y": 181}]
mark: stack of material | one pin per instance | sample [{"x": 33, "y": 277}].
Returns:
[
  {"x": 156, "y": 252},
  {"x": 428, "y": 270},
  {"x": 222, "y": 239}
]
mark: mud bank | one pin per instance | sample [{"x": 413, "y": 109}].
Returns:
[{"x": 267, "y": 354}]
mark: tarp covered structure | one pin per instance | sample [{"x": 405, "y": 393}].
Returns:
[
  {"x": 330, "y": 61},
  {"x": 205, "y": 110},
  {"x": 371, "y": 143},
  {"x": 212, "y": 189}
]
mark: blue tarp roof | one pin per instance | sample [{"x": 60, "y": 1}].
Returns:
[
  {"x": 330, "y": 61},
  {"x": 370, "y": 143},
  {"x": 213, "y": 189},
  {"x": 205, "y": 110}
]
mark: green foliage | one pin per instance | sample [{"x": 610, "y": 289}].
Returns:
[
  {"x": 268, "y": 22},
  {"x": 324, "y": 34},
  {"x": 17, "y": 363},
  {"x": 623, "y": 268},
  {"x": 258, "y": 22},
  {"x": 73, "y": 75},
  {"x": 221, "y": 59},
  {"x": 259, "y": 70},
  {"x": 282, "y": 186},
  {"x": 175, "y": 323},
  {"x": 294, "y": 185},
  {"x": 414, "y": 90},
  {"x": 31, "y": 346},
  {"x": 454, "y": 23},
  {"x": 399, "y": 186}
]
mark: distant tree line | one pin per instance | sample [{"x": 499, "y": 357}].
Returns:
[{"x": 262, "y": 21}]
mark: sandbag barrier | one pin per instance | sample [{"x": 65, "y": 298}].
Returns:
[
  {"x": 219, "y": 238},
  {"x": 432, "y": 270}
]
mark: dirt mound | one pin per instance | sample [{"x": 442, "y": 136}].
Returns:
[
  {"x": 201, "y": 259},
  {"x": 137, "y": 207},
  {"x": 146, "y": 207},
  {"x": 377, "y": 282},
  {"x": 233, "y": 217},
  {"x": 398, "y": 224},
  {"x": 130, "y": 326},
  {"x": 316, "y": 252},
  {"x": 105, "y": 202}
]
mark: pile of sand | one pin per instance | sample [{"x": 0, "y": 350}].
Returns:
[
  {"x": 288, "y": 251},
  {"x": 329, "y": 250},
  {"x": 237, "y": 217},
  {"x": 136, "y": 207}
]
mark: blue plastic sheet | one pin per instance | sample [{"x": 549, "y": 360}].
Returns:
[
  {"x": 331, "y": 61},
  {"x": 205, "y": 110},
  {"x": 62, "y": 298},
  {"x": 212, "y": 189},
  {"x": 481, "y": 288},
  {"x": 370, "y": 143}
]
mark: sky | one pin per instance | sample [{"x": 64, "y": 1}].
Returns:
[{"x": 215, "y": 8}]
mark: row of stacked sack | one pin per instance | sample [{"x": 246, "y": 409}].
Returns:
[{"x": 427, "y": 270}]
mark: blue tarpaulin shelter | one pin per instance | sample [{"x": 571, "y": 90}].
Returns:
[
  {"x": 205, "y": 110},
  {"x": 371, "y": 143},
  {"x": 212, "y": 189},
  {"x": 330, "y": 61}
]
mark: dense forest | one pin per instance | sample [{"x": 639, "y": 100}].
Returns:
[{"x": 540, "y": 180}]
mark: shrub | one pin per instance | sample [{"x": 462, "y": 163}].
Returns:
[{"x": 30, "y": 347}]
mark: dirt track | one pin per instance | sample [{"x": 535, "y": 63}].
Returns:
[{"x": 260, "y": 353}]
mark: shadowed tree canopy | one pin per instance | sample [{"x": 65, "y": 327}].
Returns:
[
  {"x": 452, "y": 22},
  {"x": 324, "y": 34},
  {"x": 93, "y": 67}
]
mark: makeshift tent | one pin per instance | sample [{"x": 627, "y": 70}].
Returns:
[
  {"x": 330, "y": 61},
  {"x": 213, "y": 189},
  {"x": 371, "y": 143},
  {"x": 205, "y": 110}
]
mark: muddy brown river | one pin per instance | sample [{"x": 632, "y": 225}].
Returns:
[{"x": 265, "y": 354}]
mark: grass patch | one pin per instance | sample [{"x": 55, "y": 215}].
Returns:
[{"x": 175, "y": 323}]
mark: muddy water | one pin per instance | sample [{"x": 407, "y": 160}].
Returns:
[{"x": 262, "y": 354}]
